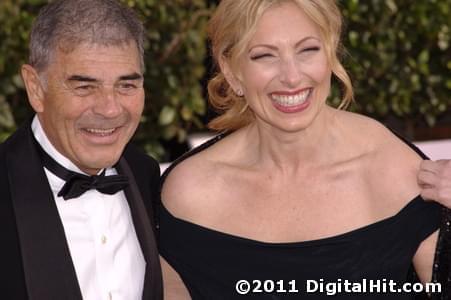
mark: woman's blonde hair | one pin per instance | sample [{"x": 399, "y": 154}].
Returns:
[{"x": 230, "y": 30}]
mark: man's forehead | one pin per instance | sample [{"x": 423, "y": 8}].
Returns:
[
  {"x": 128, "y": 54},
  {"x": 98, "y": 62},
  {"x": 70, "y": 45}
]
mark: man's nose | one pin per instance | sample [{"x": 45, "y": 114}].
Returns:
[{"x": 108, "y": 103}]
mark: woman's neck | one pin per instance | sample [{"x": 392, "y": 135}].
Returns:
[{"x": 272, "y": 148}]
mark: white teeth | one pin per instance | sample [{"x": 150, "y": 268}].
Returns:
[
  {"x": 291, "y": 100},
  {"x": 100, "y": 131}
]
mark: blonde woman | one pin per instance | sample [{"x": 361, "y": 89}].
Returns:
[{"x": 295, "y": 192}]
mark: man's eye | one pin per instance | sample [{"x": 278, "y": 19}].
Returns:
[
  {"x": 84, "y": 87},
  {"x": 127, "y": 88}
]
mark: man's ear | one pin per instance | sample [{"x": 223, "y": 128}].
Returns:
[
  {"x": 231, "y": 78},
  {"x": 33, "y": 85}
]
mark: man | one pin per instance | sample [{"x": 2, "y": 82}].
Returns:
[{"x": 75, "y": 198}]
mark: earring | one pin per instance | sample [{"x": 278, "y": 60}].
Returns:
[{"x": 239, "y": 93}]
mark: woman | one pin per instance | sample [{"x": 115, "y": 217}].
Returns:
[{"x": 296, "y": 193}]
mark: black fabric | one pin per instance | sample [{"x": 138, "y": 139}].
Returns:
[
  {"x": 442, "y": 260},
  {"x": 442, "y": 263},
  {"x": 34, "y": 256},
  {"x": 142, "y": 216},
  {"x": 12, "y": 277},
  {"x": 77, "y": 184},
  {"x": 211, "y": 262},
  {"x": 381, "y": 250},
  {"x": 47, "y": 264}
]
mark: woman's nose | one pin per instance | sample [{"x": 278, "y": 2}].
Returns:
[{"x": 290, "y": 73}]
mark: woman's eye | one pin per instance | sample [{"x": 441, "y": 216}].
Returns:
[
  {"x": 259, "y": 56},
  {"x": 310, "y": 49}
]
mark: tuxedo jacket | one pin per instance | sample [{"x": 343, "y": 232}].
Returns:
[{"x": 35, "y": 261}]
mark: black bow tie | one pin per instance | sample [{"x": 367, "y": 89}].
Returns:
[{"x": 77, "y": 184}]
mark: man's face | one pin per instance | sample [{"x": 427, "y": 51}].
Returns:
[{"x": 92, "y": 103}]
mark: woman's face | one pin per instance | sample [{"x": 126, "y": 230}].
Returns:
[{"x": 284, "y": 73}]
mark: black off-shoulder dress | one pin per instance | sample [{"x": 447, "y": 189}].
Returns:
[{"x": 371, "y": 262}]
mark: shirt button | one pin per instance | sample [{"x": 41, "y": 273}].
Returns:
[{"x": 103, "y": 240}]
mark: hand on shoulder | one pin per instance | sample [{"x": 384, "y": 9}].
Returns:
[{"x": 434, "y": 178}]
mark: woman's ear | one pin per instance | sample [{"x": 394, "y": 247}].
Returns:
[
  {"x": 231, "y": 78},
  {"x": 33, "y": 85}
]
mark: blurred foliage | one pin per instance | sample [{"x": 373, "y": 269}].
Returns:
[
  {"x": 15, "y": 19},
  {"x": 174, "y": 69},
  {"x": 398, "y": 55},
  {"x": 175, "y": 51}
]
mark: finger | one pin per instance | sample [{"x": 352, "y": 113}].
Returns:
[
  {"x": 430, "y": 166},
  {"x": 426, "y": 178},
  {"x": 442, "y": 196},
  {"x": 445, "y": 168},
  {"x": 429, "y": 194}
]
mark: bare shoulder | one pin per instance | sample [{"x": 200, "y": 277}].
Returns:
[
  {"x": 393, "y": 165},
  {"x": 383, "y": 142},
  {"x": 183, "y": 187},
  {"x": 398, "y": 156},
  {"x": 191, "y": 187}
]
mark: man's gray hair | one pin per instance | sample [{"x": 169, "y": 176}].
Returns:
[{"x": 65, "y": 24}]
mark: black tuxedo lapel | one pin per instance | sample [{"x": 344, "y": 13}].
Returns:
[
  {"x": 146, "y": 236},
  {"x": 48, "y": 267}
]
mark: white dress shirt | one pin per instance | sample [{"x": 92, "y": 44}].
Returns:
[{"x": 100, "y": 234}]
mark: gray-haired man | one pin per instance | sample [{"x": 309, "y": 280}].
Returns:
[{"x": 75, "y": 198}]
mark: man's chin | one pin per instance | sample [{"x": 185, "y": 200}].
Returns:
[{"x": 93, "y": 166}]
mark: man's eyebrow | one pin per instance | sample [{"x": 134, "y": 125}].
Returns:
[
  {"x": 134, "y": 76},
  {"x": 82, "y": 78}
]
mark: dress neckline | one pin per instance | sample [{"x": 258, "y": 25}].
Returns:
[
  {"x": 417, "y": 200},
  {"x": 339, "y": 238}
]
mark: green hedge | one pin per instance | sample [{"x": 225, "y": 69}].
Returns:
[
  {"x": 399, "y": 58},
  {"x": 398, "y": 55}
]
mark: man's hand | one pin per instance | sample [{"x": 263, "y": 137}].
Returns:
[{"x": 434, "y": 178}]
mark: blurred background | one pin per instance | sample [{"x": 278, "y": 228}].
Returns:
[{"x": 397, "y": 54}]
